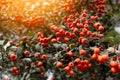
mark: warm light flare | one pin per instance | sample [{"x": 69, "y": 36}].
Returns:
[{"x": 27, "y": 8}]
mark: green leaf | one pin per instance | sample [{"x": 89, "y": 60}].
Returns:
[
  {"x": 5, "y": 41},
  {"x": 112, "y": 33}
]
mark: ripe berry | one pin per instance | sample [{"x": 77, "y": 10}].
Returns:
[
  {"x": 59, "y": 64},
  {"x": 53, "y": 40},
  {"x": 70, "y": 54},
  {"x": 94, "y": 57},
  {"x": 113, "y": 70},
  {"x": 67, "y": 69},
  {"x": 82, "y": 52},
  {"x": 42, "y": 73},
  {"x": 97, "y": 50},
  {"x": 67, "y": 49},
  {"x": 77, "y": 60},
  {"x": 37, "y": 55},
  {"x": 84, "y": 41},
  {"x": 26, "y": 53},
  {"x": 113, "y": 63},
  {"x": 101, "y": 28},
  {"x": 16, "y": 72},
  {"x": 71, "y": 64},
  {"x": 71, "y": 72},
  {"x": 66, "y": 39},
  {"x": 96, "y": 25},
  {"x": 40, "y": 64},
  {"x": 11, "y": 42},
  {"x": 105, "y": 57},
  {"x": 12, "y": 57},
  {"x": 24, "y": 37},
  {"x": 44, "y": 57},
  {"x": 14, "y": 69}
]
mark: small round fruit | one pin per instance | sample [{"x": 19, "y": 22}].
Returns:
[
  {"x": 70, "y": 54},
  {"x": 113, "y": 63},
  {"x": 67, "y": 69},
  {"x": 71, "y": 64},
  {"x": 44, "y": 57},
  {"x": 59, "y": 64},
  {"x": 82, "y": 52},
  {"x": 40, "y": 64},
  {"x": 97, "y": 50}
]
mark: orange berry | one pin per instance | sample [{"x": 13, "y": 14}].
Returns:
[
  {"x": 44, "y": 57},
  {"x": 5, "y": 79},
  {"x": 17, "y": 44},
  {"x": 66, "y": 39},
  {"x": 97, "y": 50},
  {"x": 113, "y": 70},
  {"x": 84, "y": 41},
  {"x": 101, "y": 28},
  {"x": 71, "y": 64},
  {"x": 86, "y": 61},
  {"x": 53, "y": 40},
  {"x": 11, "y": 42},
  {"x": 12, "y": 57},
  {"x": 77, "y": 60},
  {"x": 113, "y": 63},
  {"x": 42, "y": 73},
  {"x": 59, "y": 64},
  {"x": 40, "y": 64},
  {"x": 26, "y": 53},
  {"x": 80, "y": 25},
  {"x": 75, "y": 30},
  {"x": 105, "y": 57},
  {"x": 20, "y": 29},
  {"x": 70, "y": 54},
  {"x": 82, "y": 52},
  {"x": 67, "y": 49},
  {"x": 24, "y": 37},
  {"x": 14, "y": 69},
  {"x": 16, "y": 72},
  {"x": 71, "y": 72},
  {"x": 92, "y": 17},
  {"x": 96, "y": 25},
  {"x": 89, "y": 65},
  {"x": 37, "y": 55},
  {"x": 100, "y": 59},
  {"x": 67, "y": 69},
  {"x": 94, "y": 57}
]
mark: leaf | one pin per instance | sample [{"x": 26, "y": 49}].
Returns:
[
  {"x": 19, "y": 50},
  {"x": 38, "y": 47},
  {"x": 5, "y": 41},
  {"x": 56, "y": 45},
  {"x": 63, "y": 46},
  {"x": 28, "y": 60},
  {"x": 116, "y": 40},
  {"x": 80, "y": 47},
  {"x": 27, "y": 77},
  {"x": 112, "y": 33},
  {"x": 107, "y": 39}
]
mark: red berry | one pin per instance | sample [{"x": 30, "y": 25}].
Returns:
[{"x": 82, "y": 52}]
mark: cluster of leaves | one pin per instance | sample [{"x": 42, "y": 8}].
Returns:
[{"x": 66, "y": 43}]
